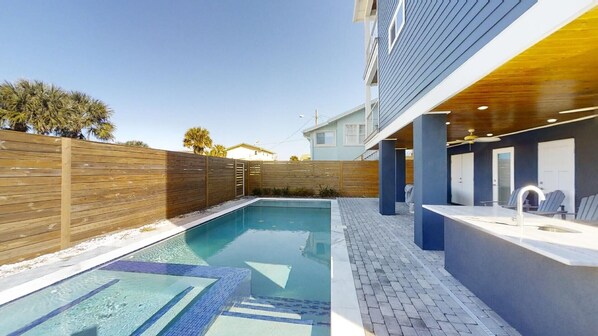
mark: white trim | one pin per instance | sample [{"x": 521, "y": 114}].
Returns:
[
  {"x": 324, "y": 145},
  {"x": 391, "y": 44},
  {"x": 345, "y": 316},
  {"x": 358, "y": 144},
  {"x": 495, "y": 152},
  {"x": 542, "y": 19}
]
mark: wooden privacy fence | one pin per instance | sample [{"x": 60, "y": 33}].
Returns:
[
  {"x": 57, "y": 191},
  {"x": 350, "y": 178}
]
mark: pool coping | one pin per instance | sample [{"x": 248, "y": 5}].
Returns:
[{"x": 345, "y": 313}]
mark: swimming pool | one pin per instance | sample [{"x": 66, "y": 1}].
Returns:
[{"x": 262, "y": 269}]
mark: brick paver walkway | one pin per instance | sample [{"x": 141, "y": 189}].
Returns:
[{"x": 403, "y": 290}]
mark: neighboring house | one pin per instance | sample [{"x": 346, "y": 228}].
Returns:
[
  {"x": 510, "y": 87},
  {"x": 339, "y": 138},
  {"x": 245, "y": 151}
]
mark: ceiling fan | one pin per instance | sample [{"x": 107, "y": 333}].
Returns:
[{"x": 471, "y": 138}]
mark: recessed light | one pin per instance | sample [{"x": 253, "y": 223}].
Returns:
[
  {"x": 448, "y": 123},
  {"x": 483, "y": 107},
  {"x": 489, "y": 134},
  {"x": 551, "y": 120}
]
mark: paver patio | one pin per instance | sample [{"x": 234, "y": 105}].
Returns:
[{"x": 403, "y": 290}]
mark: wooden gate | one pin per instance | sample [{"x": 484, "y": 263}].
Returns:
[{"x": 239, "y": 179}]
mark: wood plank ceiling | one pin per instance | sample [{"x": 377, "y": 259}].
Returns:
[{"x": 558, "y": 73}]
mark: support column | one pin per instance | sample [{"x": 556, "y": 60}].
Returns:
[
  {"x": 386, "y": 176},
  {"x": 400, "y": 173},
  {"x": 430, "y": 176}
]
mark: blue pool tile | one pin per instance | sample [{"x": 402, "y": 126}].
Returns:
[
  {"x": 161, "y": 312},
  {"x": 59, "y": 310}
]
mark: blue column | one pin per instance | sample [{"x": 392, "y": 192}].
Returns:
[
  {"x": 400, "y": 174},
  {"x": 386, "y": 176},
  {"x": 430, "y": 179}
]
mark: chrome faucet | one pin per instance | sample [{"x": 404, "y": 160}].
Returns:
[{"x": 522, "y": 191}]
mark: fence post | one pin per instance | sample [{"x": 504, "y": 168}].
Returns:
[
  {"x": 65, "y": 194},
  {"x": 261, "y": 163},
  {"x": 207, "y": 181},
  {"x": 340, "y": 182}
]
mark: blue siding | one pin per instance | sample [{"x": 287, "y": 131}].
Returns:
[{"x": 437, "y": 38}]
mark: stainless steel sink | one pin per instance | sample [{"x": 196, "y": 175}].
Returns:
[{"x": 558, "y": 229}]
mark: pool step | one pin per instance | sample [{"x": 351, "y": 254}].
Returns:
[
  {"x": 282, "y": 310},
  {"x": 161, "y": 323}
]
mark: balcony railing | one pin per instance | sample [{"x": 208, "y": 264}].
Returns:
[
  {"x": 371, "y": 122},
  {"x": 371, "y": 57}
]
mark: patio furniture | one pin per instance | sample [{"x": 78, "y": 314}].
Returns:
[
  {"x": 409, "y": 196},
  {"x": 588, "y": 210},
  {"x": 511, "y": 203},
  {"x": 550, "y": 206}
]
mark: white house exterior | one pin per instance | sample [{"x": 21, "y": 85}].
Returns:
[
  {"x": 245, "y": 151},
  {"x": 340, "y": 138}
]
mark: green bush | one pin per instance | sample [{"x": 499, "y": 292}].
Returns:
[
  {"x": 303, "y": 192},
  {"x": 256, "y": 192},
  {"x": 327, "y": 192},
  {"x": 267, "y": 191}
]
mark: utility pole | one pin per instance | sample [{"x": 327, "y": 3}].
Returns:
[{"x": 316, "y": 117}]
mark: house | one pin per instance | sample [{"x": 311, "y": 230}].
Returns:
[
  {"x": 490, "y": 95},
  {"x": 339, "y": 138},
  {"x": 249, "y": 152}
]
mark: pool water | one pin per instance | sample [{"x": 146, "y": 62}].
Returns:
[{"x": 261, "y": 270}]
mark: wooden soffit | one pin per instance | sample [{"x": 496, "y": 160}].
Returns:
[{"x": 557, "y": 74}]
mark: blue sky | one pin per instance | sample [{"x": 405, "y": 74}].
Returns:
[{"x": 245, "y": 70}]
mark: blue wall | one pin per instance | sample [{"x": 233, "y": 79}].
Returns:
[
  {"x": 437, "y": 38},
  {"x": 585, "y": 134}
]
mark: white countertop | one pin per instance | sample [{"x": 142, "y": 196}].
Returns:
[{"x": 575, "y": 249}]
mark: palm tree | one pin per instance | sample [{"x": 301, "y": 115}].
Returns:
[
  {"x": 47, "y": 106},
  {"x": 294, "y": 158},
  {"x": 218, "y": 150},
  {"x": 85, "y": 116},
  {"x": 197, "y": 138},
  {"x": 15, "y": 106}
]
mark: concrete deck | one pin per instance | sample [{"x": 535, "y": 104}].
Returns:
[{"x": 403, "y": 290}]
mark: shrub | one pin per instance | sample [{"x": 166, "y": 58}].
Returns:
[
  {"x": 327, "y": 192},
  {"x": 276, "y": 192},
  {"x": 285, "y": 191},
  {"x": 256, "y": 192},
  {"x": 303, "y": 192},
  {"x": 267, "y": 191}
]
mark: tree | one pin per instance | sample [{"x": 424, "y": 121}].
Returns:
[
  {"x": 197, "y": 138},
  {"x": 85, "y": 116},
  {"x": 48, "y": 109},
  {"x": 135, "y": 143},
  {"x": 15, "y": 106},
  {"x": 218, "y": 150},
  {"x": 294, "y": 158}
]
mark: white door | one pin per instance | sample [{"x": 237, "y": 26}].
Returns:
[
  {"x": 467, "y": 178},
  {"x": 456, "y": 179},
  {"x": 503, "y": 174},
  {"x": 556, "y": 169},
  {"x": 462, "y": 179}
]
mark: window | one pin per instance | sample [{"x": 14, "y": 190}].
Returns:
[
  {"x": 354, "y": 134},
  {"x": 396, "y": 25},
  {"x": 325, "y": 138}
]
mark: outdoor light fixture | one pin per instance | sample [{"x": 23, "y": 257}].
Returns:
[
  {"x": 551, "y": 120},
  {"x": 483, "y": 107},
  {"x": 448, "y": 123},
  {"x": 489, "y": 134}
]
